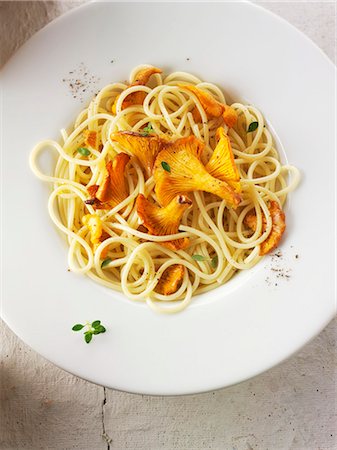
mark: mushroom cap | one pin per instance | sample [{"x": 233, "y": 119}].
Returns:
[
  {"x": 114, "y": 188},
  {"x": 187, "y": 173},
  {"x": 278, "y": 227},
  {"x": 170, "y": 280},
  {"x": 222, "y": 164},
  {"x": 145, "y": 148},
  {"x": 164, "y": 221}
]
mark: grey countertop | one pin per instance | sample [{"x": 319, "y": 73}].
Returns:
[{"x": 292, "y": 406}]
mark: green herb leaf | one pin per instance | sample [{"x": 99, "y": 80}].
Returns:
[
  {"x": 87, "y": 336},
  {"x": 106, "y": 262},
  {"x": 214, "y": 262},
  {"x": 83, "y": 151},
  {"x": 147, "y": 130},
  {"x": 252, "y": 127},
  {"x": 166, "y": 166},
  {"x": 90, "y": 329},
  {"x": 99, "y": 330},
  {"x": 198, "y": 257}
]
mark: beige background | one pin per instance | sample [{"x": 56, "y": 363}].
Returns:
[{"x": 292, "y": 406}]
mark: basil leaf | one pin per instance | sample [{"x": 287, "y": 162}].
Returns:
[
  {"x": 77, "y": 327},
  {"x": 106, "y": 262},
  {"x": 214, "y": 262},
  {"x": 166, "y": 166},
  {"x": 87, "y": 337},
  {"x": 252, "y": 126},
  {"x": 198, "y": 257},
  {"x": 96, "y": 323},
  {"x": 83, "y": 151}
]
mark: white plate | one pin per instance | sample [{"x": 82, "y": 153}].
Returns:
[{"x": 238, "y": 330}]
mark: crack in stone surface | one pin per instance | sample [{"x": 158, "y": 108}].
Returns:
[{"x": 104, "y": 433}]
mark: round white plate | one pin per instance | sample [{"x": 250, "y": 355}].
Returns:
[{"x": 236, "y": 331}]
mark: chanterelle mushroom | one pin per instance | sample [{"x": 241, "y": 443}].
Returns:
[
  {"x": 137, "y": 98},
  {"x": 178, "y": 169},
  {"x": 229, "y": 116},
  {"x": 171, "y": 280},
  {"x": 222, "y": 164},
  {"x": 278, "y": 227},
  {"x": 97, "y": 234},
  {"x": 90, "y": 138},
  {"x": 212, "y": 107},
  {"x": 114, "y": 188},
  {"x": 145, "y": 148},
  {"x": 94, "y": 224},
  {"x": 164, "y": 221}
]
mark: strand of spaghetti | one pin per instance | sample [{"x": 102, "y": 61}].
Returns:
[
  {"x": 107, "y": 243},
  {"x": 294, "y": 182},
  {"x": 33, "y": 165},
  {"x": 202, "y": 113},
  {"x": 178, "y": 295},
  {"x": 127, "y": 92},
  {"x": 76, "y": 262},
  {"x": 141, "y": 251},
  {"x": 68, "y": 232},
  {"x": 149, "y": 237},
  {"x": 135, "y": 71},
  {"x": 109, "y": 284},
  {"x": 258, "y": 134},
  {"x": 213, "y": 90},
  {"x": 95, "y": 104},
  {"x": 172, "y": 310},
  {"x": 165, "y": 113},
  {"x": 194, "y": 126},
  {"x": 218, "y": 234},
  {"x": 258, "y": 204},
  {"x": 177, "y": 77},
  {"x": 214, "y": 231},
  {"x": 74, "y": 134},
  {"x": 156, "y": 91},
  {"x": 251, "y": 179}
]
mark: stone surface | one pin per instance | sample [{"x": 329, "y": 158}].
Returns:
[{"x": 293, "y": 406}]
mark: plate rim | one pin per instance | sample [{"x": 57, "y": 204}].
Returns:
[{"x": 268, "y": 366}]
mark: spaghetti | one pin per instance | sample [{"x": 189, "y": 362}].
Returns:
[{"x": 221, "y": 239}]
